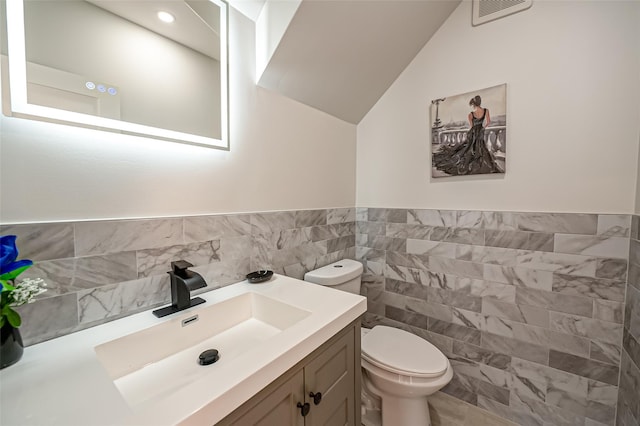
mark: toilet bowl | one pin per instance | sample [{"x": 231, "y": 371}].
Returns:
[{"x": 399, "y": 369}]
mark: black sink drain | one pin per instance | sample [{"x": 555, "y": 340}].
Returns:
[{"x": 208, "y": 357}]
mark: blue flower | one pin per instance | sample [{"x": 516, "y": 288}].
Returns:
[{"x": 10, "y": 268}]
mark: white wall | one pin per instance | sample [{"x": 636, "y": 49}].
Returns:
[
  {"x": 284, "y": 155},
  {"x": 573, "y": 100}
]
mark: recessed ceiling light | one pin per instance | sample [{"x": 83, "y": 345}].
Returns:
[{"x": 166, "y": 17}]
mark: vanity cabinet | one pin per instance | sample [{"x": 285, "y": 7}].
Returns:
[{"x": 332, "y": 370}]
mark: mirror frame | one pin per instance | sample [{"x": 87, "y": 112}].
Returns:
[{"x": 19, "y": 106}]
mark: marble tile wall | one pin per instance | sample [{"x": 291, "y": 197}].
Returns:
[
  {"x": 629, "y": 393},
  {"x": 103, "y": 270},
  {"x": 529, "y": 307}
]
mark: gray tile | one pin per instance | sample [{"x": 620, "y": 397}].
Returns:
[
  {"x": 298, "y": 254},
  {"x": 95, "y": 271},
  {"x": 341, "y": 243},
  {"x": 610, "y": 247},
  {"x": 605, "y": 352},
  {"x": 550, "y": 377},
  {"x": 409, "y": 318},
  {"x": 520, "y": 277},
  {"x": 457, "y": 235},
  {"x": 521, "y": 417},
  {"x": 482, "y": 355},
  {"x": 548, "y": 414},
  {"x": 457, "y": 267},
  {"x": 629, "y": 385},
  {"x": 264, "y": 223},
  {"x": 377, "y": 215},
  {"x": 492, "y": 290},
  {"x": 57, "y": 274},
  {"x": 433, "y": 310},
  {"x": 612, "y": 268},
  {"x": 111, "y": 301},
  {"x": 371, "y": 228},
  {"x": 584, "y": 367},
  {"x": 470, "y": 219},
  {"x": 387, "y": 243},
  {"x": 632, "y": 312},
  {"x": 519, "y": 240},
  {"x": 432, "y": 248},
  {"x": 493, "y": 255},
  {"x": 594, "y": 329},
  {"x": 235, "y": 247},
  {"x": 610, "y": 225},
  {"x": 631, "y": 347},
  {"x": 520, "y": 313},
  {"x": 608, "y": 310},
  {"x": 597, "y": 288},
  {"x": 396, "y": 216},
  {"x": 444, "y": 218},
  {"x": 158, "y": 261},
  {"x": 500, "y": 220},
  {"x": 635, "y": 227},
  {"x": 515, "y": 348},
  {"x": 634, "y": 251},
  {"x": 215, "y": 227},
  {"x": 458, "y": 299},
  {"x": 455, "y": 331},
  {"x": 460, "y": 390},
  {"x": 576, "y": 305},
  {"x": 572, "y": 264},
  {"x": 568, "y": 223},
  {"x": 69, "y": 275},
  {"x": 42, "y": 241},
  {"x": 568, "y": 343},
  {"x": 408, "y": 260},
  {"x": 365, "y": 253},
  {"x": 305, "y": 218},
  {"x": 48, "y": 318},
  {"x": 406, "y": 289},
  {"x": 343, "y": 215},
  {"x": 362, "y": 214},
  {"x": 402, "y": 230},
  {"x": 95, "y": 238}
]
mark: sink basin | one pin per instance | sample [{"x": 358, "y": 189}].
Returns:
[{"x": 156, "y": 361}]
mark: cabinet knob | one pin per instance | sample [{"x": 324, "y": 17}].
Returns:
[
  {"x": 304, "y": 408},
  {"x": 317, "y": 397}
]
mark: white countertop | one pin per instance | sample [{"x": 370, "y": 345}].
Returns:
[{"x": 62, "y": 382}]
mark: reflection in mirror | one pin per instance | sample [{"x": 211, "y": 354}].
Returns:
[{"x": 116, "y": 65}]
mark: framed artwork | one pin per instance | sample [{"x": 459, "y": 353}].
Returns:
[{"x": 469, "y": 133}]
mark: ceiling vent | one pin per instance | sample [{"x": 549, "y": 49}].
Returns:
[{"x": 488, "y": 10}]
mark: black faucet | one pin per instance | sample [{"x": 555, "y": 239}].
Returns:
[{"x": 183, "y": 282}]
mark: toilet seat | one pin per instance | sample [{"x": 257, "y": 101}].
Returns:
[{"x": 402, "y": 353}]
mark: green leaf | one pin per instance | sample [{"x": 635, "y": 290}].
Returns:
[
  {"x": 6, "y": 286},
  {"x": 12, "y": 316},
  {"x": 12, "y": 275}
]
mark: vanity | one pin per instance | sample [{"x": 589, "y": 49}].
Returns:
[{"x": 289, "y": 353}]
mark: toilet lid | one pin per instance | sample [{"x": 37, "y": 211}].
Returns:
[{"x": 402, "y": 352}]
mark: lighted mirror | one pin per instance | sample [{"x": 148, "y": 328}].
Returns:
[{"x": 154, "y": 68}]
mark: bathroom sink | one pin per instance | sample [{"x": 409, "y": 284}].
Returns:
[{"x": 154, "y": 362}]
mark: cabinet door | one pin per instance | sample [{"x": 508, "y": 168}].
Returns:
[
  {"x": 278, "y": 408},
  {"x": 332, "y": 373}
]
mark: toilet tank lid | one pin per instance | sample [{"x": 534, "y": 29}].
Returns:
[
  {"x": 403, "y": 352},
  {"x": 335, "y": 273}
]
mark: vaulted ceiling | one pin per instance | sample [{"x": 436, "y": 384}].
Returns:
[{"x": 340, "y": 56}]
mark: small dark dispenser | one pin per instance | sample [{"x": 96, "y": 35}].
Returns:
[{"x": 183, "y": 282}]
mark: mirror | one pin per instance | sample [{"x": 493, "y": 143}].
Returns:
[{"x": 114, "y": 65}]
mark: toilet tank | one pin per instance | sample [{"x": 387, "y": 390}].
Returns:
[{"x": 343, "y": 275}]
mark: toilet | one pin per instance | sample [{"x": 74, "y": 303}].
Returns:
[{"x": 399, "y": 369}]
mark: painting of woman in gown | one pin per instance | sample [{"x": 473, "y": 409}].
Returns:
[{"x": 475, "y": 147}]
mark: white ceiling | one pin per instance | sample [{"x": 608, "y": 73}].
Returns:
[
  {"x": 197, "y": 23},
  {"x": 340, "y": 56}
]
